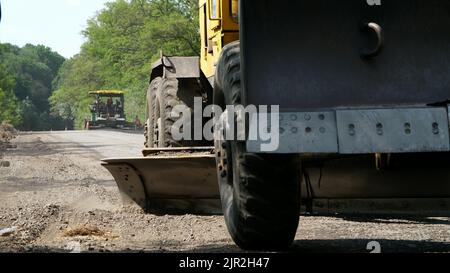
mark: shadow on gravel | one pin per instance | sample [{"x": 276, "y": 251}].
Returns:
[
  {"x": 300, "y": 246},
  {"x": 13, "y": 184},
  {"x": 37, "y": 148},
  {"x": 345, "y": 246},
  {"x": 360, "y": 246},
  {"x": 397, "y": 219}
]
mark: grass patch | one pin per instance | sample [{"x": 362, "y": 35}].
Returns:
[{"x": 84, "y": 231}]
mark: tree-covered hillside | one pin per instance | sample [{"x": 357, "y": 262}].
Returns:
[
  {"x": 122, "y": 41},
  {"x": 40, "y": 90},
  {"x": 26, "y": 76}
]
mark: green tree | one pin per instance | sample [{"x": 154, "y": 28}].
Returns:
[
  {"x": 29, "y": 71},
  {"x": 9, "y": 108},
  {"x": 122, "y": 42},
  {"x": 76, "y": 78}
]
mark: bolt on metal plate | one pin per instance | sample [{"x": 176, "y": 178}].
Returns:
[
  {"x": 301, "y": 132},
  {"x": 397, "y": 130}
]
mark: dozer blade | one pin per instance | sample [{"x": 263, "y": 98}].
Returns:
[
  {"x": 184, "y": 181},
  {"x": 169, "y": 180}
]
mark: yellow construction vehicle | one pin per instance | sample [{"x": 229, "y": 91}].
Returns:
[
  {"x": 362, "y": 91},
  {"x": 107, "y": 110}
]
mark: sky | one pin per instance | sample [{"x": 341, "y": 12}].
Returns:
[{"x": 53, "y": 23}]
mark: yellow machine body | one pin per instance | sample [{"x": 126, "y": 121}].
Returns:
[{"x": 219, "y": 26}]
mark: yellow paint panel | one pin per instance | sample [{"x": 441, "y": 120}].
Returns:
[{"x": 218, "y": 27}]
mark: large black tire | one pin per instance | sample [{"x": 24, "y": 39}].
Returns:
[
  {"x": 150, "y": 126},
  {"x": 260, "y": 193},
  {"x": 167, "y": 98}
]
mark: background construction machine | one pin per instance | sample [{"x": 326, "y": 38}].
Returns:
[
  {"x": 363, "y": 92},
  {"x": 107, "y": 110}
]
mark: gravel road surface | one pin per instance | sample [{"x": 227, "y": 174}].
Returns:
[{"x": 55, "y": 197}]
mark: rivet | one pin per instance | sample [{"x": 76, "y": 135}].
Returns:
[
  {"x": 294, "y": 117},
  {"x": 308, "y": 130},
  {"x": 408, "y": 130},
  {"x": 436, "y": 128},
  {"x": 321, "y": 116},
  {"x": 380, "y": 129},
  {"x": 351, "y": 129},
  {"x": 294, "y": 130},
  {"x": 322, "y": 130},
  {"x": 307, "y": 117}
]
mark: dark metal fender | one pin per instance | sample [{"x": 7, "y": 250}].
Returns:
[{"x": 176, "y": 67}]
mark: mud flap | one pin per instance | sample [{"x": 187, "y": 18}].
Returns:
[{"x": 315, "y": 53}]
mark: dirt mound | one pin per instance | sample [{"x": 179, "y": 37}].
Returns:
[{"x": 7, "y": 133}]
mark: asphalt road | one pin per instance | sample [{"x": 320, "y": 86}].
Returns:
[{"x": 106, "y": 143}]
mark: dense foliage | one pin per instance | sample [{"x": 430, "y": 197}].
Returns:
[
  {"x": 26, "y": 76},
  {"x": 39, "y": 90},
  {"x": 122, "y": 41}
]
